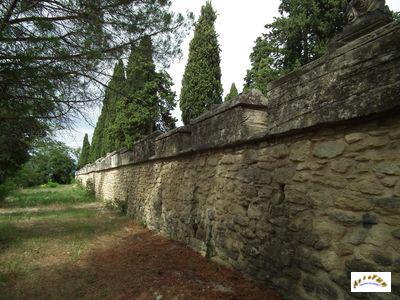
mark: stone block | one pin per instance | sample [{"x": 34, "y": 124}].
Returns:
[
  {"x": 329, "y": 149},
  {"x": 355, "y": 137},
  {"x": 234, "y": 122},
  {"x": 173, "y": 142},
  {"x": 144, "y": 149},
  {"x": 370, "y": 186}
]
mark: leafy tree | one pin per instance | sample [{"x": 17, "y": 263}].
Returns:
[
  {"x": 49, "y": 161},
  {"x": 232, "y": 93},
  {"x": 52, "y": 57},
  {"x": 85, "y": 153},
  {"x": 298, "y": 36},
  {"x": 201, "y": 84}
]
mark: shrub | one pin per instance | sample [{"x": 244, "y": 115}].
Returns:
[
  {"x": 6, "y": 188},
  {"x": 52, "y": 184}
]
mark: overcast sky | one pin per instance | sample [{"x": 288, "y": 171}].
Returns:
[{"x": 238, "y": 25}]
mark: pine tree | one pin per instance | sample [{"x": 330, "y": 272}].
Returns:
[
  {"x": 298, "y": 36},
  {"x": 232, "y": 93},
  {"x": 84, "y": 156},
  {"x": 201, "y": 84}
]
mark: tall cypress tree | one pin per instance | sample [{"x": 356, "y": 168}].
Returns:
[
  {"x": 101, "y": 141},
  {"x": 201, "y": 83},
  {"x": 148, "y": 99},
  {"x": 97, "y": 139},
  {"x": 116, "y": 89},
  {"x": 232, "y": 93},
  {"x": 84, "y": 156},
  {"x": 298, "y": 36}
]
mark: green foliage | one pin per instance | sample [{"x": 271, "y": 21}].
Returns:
[
  {"x": 84, "y": 155},
  {"x": 51, "y": 184},
  {"x": 298, "y": 36},
  {"x": 50, "y": 161},
  {"x": 6, "y": 188},
  {"x": 53, "y": 193},
  {"x": 134, "y": 106},
  {"x": 19, "y": 128},
  {"x": 104, "y": 139},
  {"x": 232, "y": 93},
  {"x": 396, "y": 16},
  {"x": 52, "y": 60},
  {"x": 201, "y": 83},
  {"x": 115, "y": 91},
  {"x": 137, "y": 111}
]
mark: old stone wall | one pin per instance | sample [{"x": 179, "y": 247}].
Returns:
[{"x": 296, "y": 199}]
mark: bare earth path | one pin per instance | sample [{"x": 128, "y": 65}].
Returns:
[{"x": 86, "y": 252}]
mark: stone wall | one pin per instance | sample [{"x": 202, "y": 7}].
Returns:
[{"x": 297, "y": 188}]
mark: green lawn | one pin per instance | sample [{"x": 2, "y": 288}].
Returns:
[
  {"x": 40, "y": 196},
  {"x": 45, "y": 241}
]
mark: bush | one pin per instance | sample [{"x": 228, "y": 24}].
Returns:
[
  {"x": 6, "y": 188},
  {"x": 52, "y": 184}
]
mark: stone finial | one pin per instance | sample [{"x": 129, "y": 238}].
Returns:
[
  {"x": 357, "y": 8},
  {"x": 363, "y": 17}
]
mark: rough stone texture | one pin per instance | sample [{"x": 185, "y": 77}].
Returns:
[
  {"x": 234, "y": 122},
  {"x": 355, "y": 80},
  {"x": 245, "y": 207},
  {"x": 298, "y": 210},
  {"x": 174, "y": 142}
]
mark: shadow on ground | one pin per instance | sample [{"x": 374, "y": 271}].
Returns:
[{"x": 127, "y": 263}]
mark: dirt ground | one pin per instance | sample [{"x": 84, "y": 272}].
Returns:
[
  {"x": 141, "y": 265},
  {"x": 129, "y": 262}
]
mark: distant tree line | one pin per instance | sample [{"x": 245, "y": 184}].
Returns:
[{"x": 50, "y": 162}]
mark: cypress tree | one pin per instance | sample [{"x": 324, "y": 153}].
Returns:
[
  {"x": 298, "y": 36},
  {"x": 116, "y": 91},
  {"x": 97, "y": 139},
  {"x": 84, "y": 156},
  {"x": 232, "y": 93},
  {"x": 103, "y": 141},
  {"x": 137, "y": 109},
  {"x": 148, "y": 98},
  {"x": 201, "y": 83},
  {"x": 166, "y": 102}
]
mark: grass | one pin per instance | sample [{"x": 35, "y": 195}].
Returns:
[
  {"x": 35, "y": 244},
  {"x": 43, "y": 196}
]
